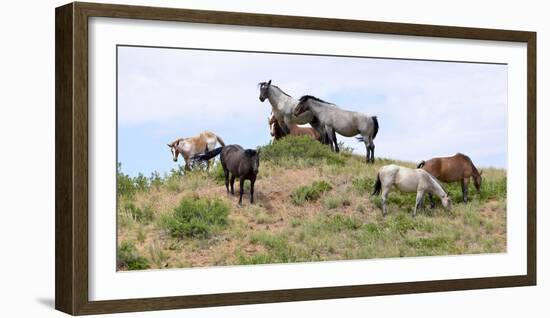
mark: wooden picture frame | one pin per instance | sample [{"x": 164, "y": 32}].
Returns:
[{"x": 71, "y": 155}]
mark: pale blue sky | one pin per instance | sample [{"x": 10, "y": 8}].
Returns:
[{"x": 425, "y": 108}]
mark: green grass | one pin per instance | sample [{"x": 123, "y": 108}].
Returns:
[
  {"x": 363, "y": 185},
  {"x": 336, "y": 201},
  {"x": 196, "y": 217}
]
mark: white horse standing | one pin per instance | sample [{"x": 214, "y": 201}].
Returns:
[
  {"x": 408, "y": 180},
  {"x": 283, "y": 106}
]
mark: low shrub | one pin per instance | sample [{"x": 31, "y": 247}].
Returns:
[
  {"x": 128, "y": 258},
  {"x": 291, "y": 150},
  {"x": 196, "y": 217},
  {"x": 144, "y": 214},
  {"x": 310, "y": 193}
]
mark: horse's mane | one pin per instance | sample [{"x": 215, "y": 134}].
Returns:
[
  {"x": 307, "y": 97},
  {"x": 173, "y": 143},
  {"x": 277, "y": 87},
  {"x": 459, "y": 154},
  {"x": 438, "y": 182}
]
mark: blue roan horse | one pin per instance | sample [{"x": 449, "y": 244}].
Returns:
[{"x": 346, "y": 123}]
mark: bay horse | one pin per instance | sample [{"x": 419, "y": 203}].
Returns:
[
  {"x": 240, "y": 163},
  {"x": 457, "y": 168},
  {"x": 346, "y": 123},
  {"x": 295, "y": 130},
  {"x": 408, "y": 180},
  {"x": 188, "y": 147},
  {"x": 282, "y": 107}
]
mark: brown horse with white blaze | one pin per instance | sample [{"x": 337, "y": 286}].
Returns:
[
  {"x": 457, "y": 168},
  {"x": 188, "y": 147}
]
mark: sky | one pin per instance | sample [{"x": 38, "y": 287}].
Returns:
[{"x": 425, "y": 109}]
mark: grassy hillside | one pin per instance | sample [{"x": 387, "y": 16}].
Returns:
[{"x": 311, "y": 205}]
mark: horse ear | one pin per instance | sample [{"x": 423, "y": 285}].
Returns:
[
  {"x": 269, "y": 83},
  {"x": 169, "y": 145}
]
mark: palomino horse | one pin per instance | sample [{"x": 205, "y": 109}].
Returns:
[
  {"x": 295, "y": 130},
  {"x": 283, "y": 105},
  {"x": 452, "y": 169},
  {"x": 408, "y": 180},
  {"x": 188, "y": 147},
  {"x": 346, "y": 123},
  {"x": 242, "y": 164}
]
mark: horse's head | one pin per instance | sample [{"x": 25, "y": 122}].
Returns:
[
  {"x": 446, "y": 201},
  {"x": 302, "y": 106},
  {"x": 264, "y": 88},
  {"x": 174, "y": 150},
  {"x": 254, "y": 159},
  {"x": 477, "y": 181}
]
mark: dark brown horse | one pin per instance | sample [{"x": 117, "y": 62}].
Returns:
[
  {"x": 238, "y": 162},
  {"x": 452, "y": 169}
]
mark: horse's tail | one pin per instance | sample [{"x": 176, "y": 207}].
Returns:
[
  {"x": 220, "y": 140},
  {"x": 421, "y": 164},
  {"x": 375, "y": 121},
  {"x": 377, "y": 185},
  {"x": 207, "y": 155}
]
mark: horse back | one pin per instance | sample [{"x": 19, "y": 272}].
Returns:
[
  {"x": 449, "y": 169},
  {"x": 231, "y": 156}
]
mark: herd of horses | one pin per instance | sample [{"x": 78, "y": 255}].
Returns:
[{"x": 326, "y": 120}]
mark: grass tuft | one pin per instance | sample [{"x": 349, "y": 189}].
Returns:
[
  {"x": 128, "y": 258},
  {"x": 310, "y": 193}
]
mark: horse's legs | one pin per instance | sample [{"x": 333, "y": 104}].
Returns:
[
  {"x": 432, "y": 202},
  {"x": 384, "y": 197},
  {"x": 369, "y": 145},
  {"x": 252, "y": 181},
  {"x": 464, "y": 185},
  {"x": 232, "y": 184},
  {"x": 419, "y": 196},
  {"x": 371, "y": 142},
  {"x": 226, "y": 175},
  {"x": 335, "y": 141},
  {"x": 241, "y": 190},
  {"x": 330, "y": 136},
  {"x": 187, "y": 167}
]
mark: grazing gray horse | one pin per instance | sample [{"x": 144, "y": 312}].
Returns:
[
  {"x": 346, "y": 123},
  {"x": 241, "y": 163},
  {"x": 408, "y": 180},
  {"x": 283, "y": 106}
]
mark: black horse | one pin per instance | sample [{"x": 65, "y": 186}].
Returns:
[{"x": 241, "y": 163}]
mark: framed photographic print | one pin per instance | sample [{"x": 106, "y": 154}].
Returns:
[{"x": 211, "y": 158}]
